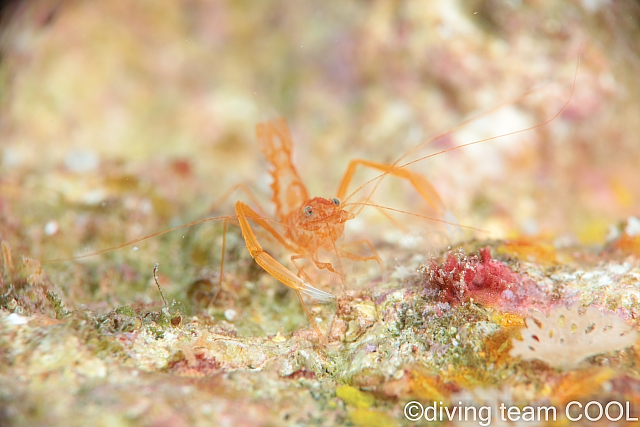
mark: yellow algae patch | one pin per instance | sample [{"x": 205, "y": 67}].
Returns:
[
  {"x": 363, "y": 416},
  {"x": 355, "y": 397},
  {"x": 508, "y": 320},
  {"x": 580, "y": 384},
  {"x": 368, "y": 418},
  {"x": 498, "y": 345},
  {"x": 426, "y": 387},
  {"x": 592, "y": 231}
]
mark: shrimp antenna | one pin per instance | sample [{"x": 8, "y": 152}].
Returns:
[
  {"x": 149, "y": 236},
  {"x": 452, "y": 130},
  {"x": 378, "y": 178},
  {"x": 442, "y": 221}
]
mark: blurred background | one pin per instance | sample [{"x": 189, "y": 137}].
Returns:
[{"x": 122, "y": 118}]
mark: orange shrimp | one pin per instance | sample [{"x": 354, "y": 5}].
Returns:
[
  {"x": 312, "y": 224},
  {"x": 318, "y": 223}
]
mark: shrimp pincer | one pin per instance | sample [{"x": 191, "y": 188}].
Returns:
[{"x": 270, "y": 265}]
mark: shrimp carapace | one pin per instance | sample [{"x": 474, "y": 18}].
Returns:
[{"x": 317, "y": 223}]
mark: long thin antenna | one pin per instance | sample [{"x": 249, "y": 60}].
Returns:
[{"x": 382, "y": 175}]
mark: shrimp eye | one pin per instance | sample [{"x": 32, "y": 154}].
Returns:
[
  {"x": 307, "y": 211},
  {"x": 336, "y": 201}
]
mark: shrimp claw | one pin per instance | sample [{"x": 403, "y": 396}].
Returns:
[{"x": 268, "y": 263}]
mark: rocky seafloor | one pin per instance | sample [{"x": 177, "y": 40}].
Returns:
[
  {"x": 119, "y": 119},
  {"x": 443, "y": 333}
]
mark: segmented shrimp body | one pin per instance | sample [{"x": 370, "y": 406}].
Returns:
[
  {"x": 310, "y": 224},
  {"x": 318, "y": 223}
]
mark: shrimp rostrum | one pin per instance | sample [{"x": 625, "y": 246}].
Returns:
[{"x": 312, "y": 224}]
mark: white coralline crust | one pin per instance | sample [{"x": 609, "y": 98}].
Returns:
[
  {"x": 566, "y": 337},
  {"x": 633, "y": 226}
]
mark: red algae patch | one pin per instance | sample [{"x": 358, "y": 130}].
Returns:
[
  {"x": 462, "y": 278},
  {"x": 197, "y": 365}
]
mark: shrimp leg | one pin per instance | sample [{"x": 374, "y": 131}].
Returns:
[
  {"x": 273, "y": 267},
  {"x": 266, "y": 261},
  {"x": 375, "y": 257},
  {"x": 419, "y": 182}
]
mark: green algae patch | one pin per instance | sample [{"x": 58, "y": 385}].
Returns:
[
  {"x": 58, "y": 304},
  {"x": 125, "y": 311}
]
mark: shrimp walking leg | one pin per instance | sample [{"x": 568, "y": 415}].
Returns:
[
  {"x": 301, "y": 272},
  {"x": 419, "y": 182},
  {"x": 238, "y": 187},
  {"x": 224, "y": 246},
  {"x": 273, "y": 267},
  {"x": 375, "y": 257}
]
